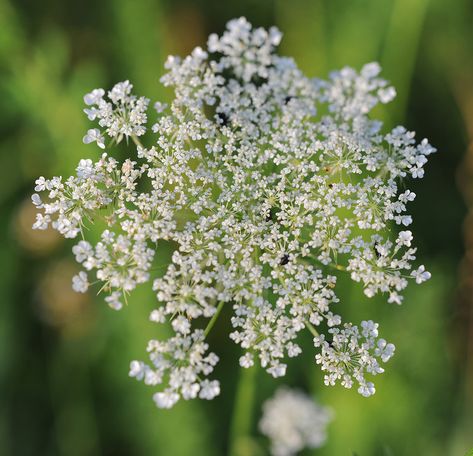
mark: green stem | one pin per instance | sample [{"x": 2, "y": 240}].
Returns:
[
  {"x": 311, "y": 328},
  {"x": 212, "y": 321},
  {"x": 137, "y": 141},
  {"x": 241, "y": 423}
]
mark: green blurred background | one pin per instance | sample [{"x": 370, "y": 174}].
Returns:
[{"x": 64, "y": 357}]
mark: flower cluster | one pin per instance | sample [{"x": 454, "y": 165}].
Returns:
[
  {"x": 351, "y": 354},
  {"x": 293, "y": 421},
  {"x": 123, "y": 115},
  {"x": 270, "y": 185},
  {"x": 181, "y": 359}
]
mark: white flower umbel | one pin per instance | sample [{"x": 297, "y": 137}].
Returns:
[
  {"x": 351, "y": 354},
  {"x": 270, "y": 185},
  {"x": 292, "y": 421},
  {"x": 123, "y": 115}
]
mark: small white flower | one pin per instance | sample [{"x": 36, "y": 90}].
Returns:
[
  {"x": 387, "y": 94},
  {"x": 166, "y": 399},
  {"x": 421, "y": 275},
  {"x": 85, "y": 169},
  {"x": 114, "y": 300},
  {"x": 94, "y": 135},
  {"x": 370, "y": 329},
  {"x": 137, "y": 370},
  {"x": 384, "y": 350},
  {"x": 41, "y": 184},
  {"x": 94, "y": 97},
  {"x": 36, "y": 199},
  {"x": 404, "y": 238},
  {"x": 158, "y": 316},
  {"x": 395, "y": 298},
  {"x": 246, "y": 360},
  {"x": 190, "y": 390},
  {"x": 159, "y": 107},
  {"x": 277, "y": 370},
  {"x": 80, "y": 282},
  {"x": 42, "y": 222},
  {"x": 367, "y": 389},
  {"x": 82, "y": 251},
  {"x": 120, "y": 91},
  {"x": 181, "y": 324},
  {"x": 371, "y": 70},
  {"x": 209, "y": 389}
]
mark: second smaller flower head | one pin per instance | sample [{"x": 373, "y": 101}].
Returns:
[{"x": 293, "y": 421}]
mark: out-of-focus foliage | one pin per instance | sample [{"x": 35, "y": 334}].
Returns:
[{"x": 64, "y": 357}]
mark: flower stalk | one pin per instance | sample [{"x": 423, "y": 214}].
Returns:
[
  {"x": 214, "y": 318},
  {"x": 242, "y": 416}
]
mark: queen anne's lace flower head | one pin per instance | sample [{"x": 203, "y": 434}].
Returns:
[
  {"x": 270, "y": 185},
  {"x": 293, "y": 421}
]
